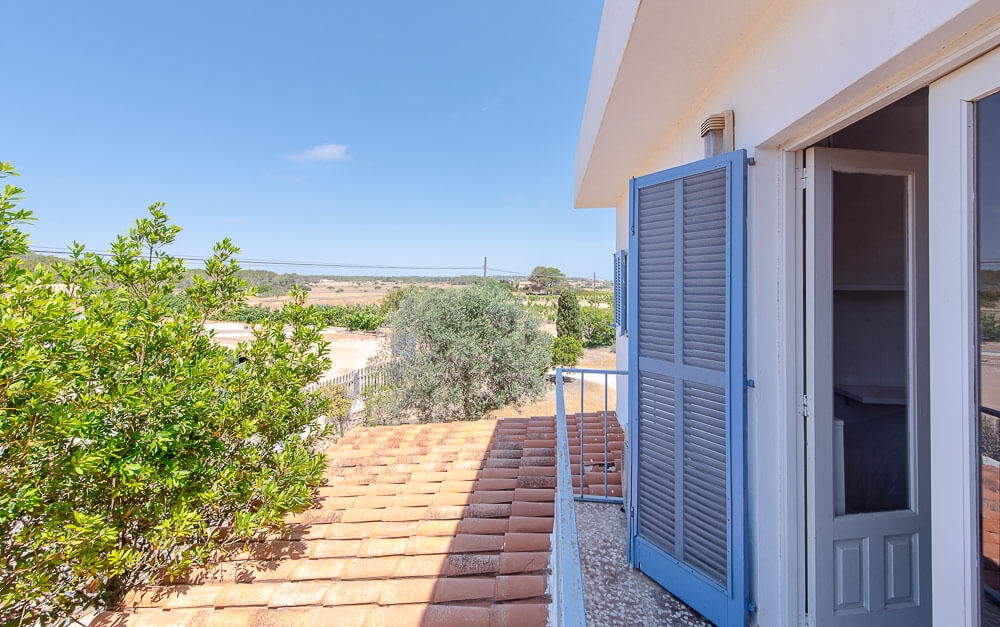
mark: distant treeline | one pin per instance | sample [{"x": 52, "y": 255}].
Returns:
[{"x": 268, "y": 283}]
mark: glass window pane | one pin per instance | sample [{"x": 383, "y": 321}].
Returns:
[
  {"x": 870, "y": 357},
  {"x": 988, "y": 214}
]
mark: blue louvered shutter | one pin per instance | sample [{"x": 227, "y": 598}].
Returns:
[
  {"x": 621, "y": 291},
  {"x": 686, "y": 384}
]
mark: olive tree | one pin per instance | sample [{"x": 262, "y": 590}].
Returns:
[
  {"x": 131, "y": 444},
  {"x": 457, "y": 354}
]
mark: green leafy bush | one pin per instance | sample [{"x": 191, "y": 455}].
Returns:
[
  {"x": 339, "y": 405},
  {"x": 128, "y": 438},
  {"x": 566, "y": 351},
  {"x": 456, "y": 354},
  {"x": 989, "y": 329},
  {"x": 598, "y": 326}
]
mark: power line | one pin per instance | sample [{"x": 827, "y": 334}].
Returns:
[
  {"x": 318, "y": 264},
  {"x": 276, "y": 262}
]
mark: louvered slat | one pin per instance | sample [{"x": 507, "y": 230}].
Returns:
[
  {"x": 705, "y": 479},
  {"x": 656, "y": 271},
  {"x": 656, "y": 449},
  {"x": 704, "y": 259}
]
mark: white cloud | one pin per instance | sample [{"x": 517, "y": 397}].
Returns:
[
  {"x": 491, "y": 104},
  {"x": 323, "y": 152}
]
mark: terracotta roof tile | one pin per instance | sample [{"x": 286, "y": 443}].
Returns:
[
  {"x": 358, "y": 514},
  {"x": 428, "y": 545},
  {"x": 526, "y": 541},
  {"x": 246, "y": 595},
  {"x": 482, "y": 525},
  {"x": 398, "y": 615},
  {"x": 349, "y": 531},
  {"x": 421, "y": 565},
  {"x": 458, "y": 616},
  {"x": 498, "y": 473},
  {"x": 523, "y": 562},
  {"x": 353, "y": 593},
  {"x": 333, "y": 548},
  {"x": 525, "y": 508},
  {"x": 448, "y": 527},
  {"x": 489, "y": 510},
  {"x": 519, "y": 615},
  {"x": 531, "y": 524},
  {"x": 471, "y": 564},
  {"x": 403, "y": 591},
  {"x": 343, "y": 616},
  {"x": 291, "y": 594},
  {"x": 469, "y": 543},
  {"x": 328, "y": 568},
  {"x": 394, "y": 529},
  {"x": 451, "y": 498},
  {"x": 380, "y": 547},
  {"x": 464, "y": 589},
  {"x": 371, "y": 568},
  {"x": 496, "y": 484},
  {"x": 384, "y": 489},
  {"x": 437, "y": 524}
]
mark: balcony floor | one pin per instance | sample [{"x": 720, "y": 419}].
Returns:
[{"x": 614, "y": 593}]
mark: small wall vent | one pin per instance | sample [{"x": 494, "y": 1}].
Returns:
[{"x": 717, "y": 130}]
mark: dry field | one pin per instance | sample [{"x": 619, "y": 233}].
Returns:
[
  {"x": 593, "y": 393},
  {"x": 349, "y": 350},
  {"x": 347, "y": 292}
]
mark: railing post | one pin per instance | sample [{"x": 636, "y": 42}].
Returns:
[{"x": 567, "y": 589}]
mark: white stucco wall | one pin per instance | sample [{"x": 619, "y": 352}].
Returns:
[{"x": 805, "y": 69}]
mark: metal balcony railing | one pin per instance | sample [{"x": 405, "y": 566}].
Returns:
[{"x": 567, "y": 592}]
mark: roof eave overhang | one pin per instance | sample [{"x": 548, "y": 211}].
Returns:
[{"x": 654, "y": 60}]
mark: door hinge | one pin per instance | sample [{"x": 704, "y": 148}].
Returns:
[
  {"x": 802, "y": 178},
  {"x": 806, "y": 410}
]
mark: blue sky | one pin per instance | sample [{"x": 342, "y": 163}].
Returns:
[{"x": 396, "y": 133}]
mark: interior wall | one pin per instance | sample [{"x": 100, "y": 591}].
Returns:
[{"x": 899, "y": 127}]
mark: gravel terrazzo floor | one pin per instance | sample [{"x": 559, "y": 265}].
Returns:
[{"x": 613, "y": 592}]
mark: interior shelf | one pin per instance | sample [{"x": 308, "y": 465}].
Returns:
[
  {"x": 873, "y": 394},
  {"x": 858, "y": 287}
]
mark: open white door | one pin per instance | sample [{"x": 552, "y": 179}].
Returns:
[{"x": 867, "y": 427}]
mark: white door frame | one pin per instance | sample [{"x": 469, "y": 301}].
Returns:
[
  {"x": 953, "y": 318},
  {"x": 826, "y": 527}
]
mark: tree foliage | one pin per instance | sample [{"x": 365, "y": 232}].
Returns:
[
  {"x": 566, "y": 351},
  {"x": 568, "y": 320},
  {"x": 544, "y": 279},
  {"x": 129, "y": 439},
  {"x": 598, "y": 326},
  {"x": 456, "y": 354}
]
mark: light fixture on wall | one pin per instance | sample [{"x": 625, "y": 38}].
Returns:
[{"x": 717, "y": 131}]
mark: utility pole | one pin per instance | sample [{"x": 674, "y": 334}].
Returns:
[{"x": 484, "y": 269}]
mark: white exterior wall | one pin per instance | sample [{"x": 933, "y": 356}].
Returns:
[{"x": 803, "y": 71}]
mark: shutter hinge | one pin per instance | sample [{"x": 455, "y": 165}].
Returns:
[
  {"x": 802, "y": 177},
  {"x": 751, "y": 607},
  {"x": 751, "y": 383},
  {"x": 805, "y": 406}
]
